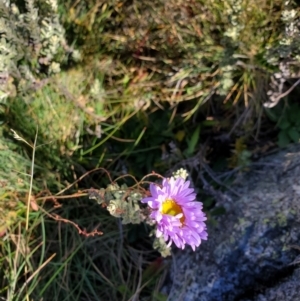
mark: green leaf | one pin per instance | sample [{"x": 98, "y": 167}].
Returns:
[
  {"x": 126, "y": 80},
  {"x": 293, "y": 134},
  {"x": 293, "y": 113},
  {"x": 283, "y": 139},
  {"x": 272, "y": 115},
  {"x": 283, "y": 123},
  {"x": 218, "y": 211},
  {"x": 193, "y": 141},
  {"x": 208, "y": 202},
  {"x": 208, "y": 123},
  {"x": 297, "y": 123}
]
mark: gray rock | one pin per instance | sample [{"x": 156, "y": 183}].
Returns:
[
  {"x": 248, "y": 254},
  {"x": 287, "y": 290}
]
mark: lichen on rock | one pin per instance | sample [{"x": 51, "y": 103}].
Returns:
[{"x": 248, "y": 253}]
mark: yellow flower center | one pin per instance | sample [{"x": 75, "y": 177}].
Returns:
[{"x": 170, "y": 207}]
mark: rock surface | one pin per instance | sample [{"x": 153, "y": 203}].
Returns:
[{"x": 248, "y": 254}]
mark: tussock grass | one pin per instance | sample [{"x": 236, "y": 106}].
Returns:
[
  {"x": 93, "y": 268},
  {"x": 47, "y": 258},
  {"x": 19, "y": 244},
  {"x": 179, "y": 51}
]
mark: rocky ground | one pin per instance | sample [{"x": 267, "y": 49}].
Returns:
[{"x": 249, "y": 253}]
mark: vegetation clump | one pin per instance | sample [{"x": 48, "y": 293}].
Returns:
[{"x": 94, "y": 95}]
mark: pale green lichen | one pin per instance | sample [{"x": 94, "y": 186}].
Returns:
[
  {"x": 160, "y": 245},
  {"x": 288, "y": 43},
  {"x": 281, "y": 219},
  {"x": 32, "y": 43},
  {"x": 124, "y": 203}
]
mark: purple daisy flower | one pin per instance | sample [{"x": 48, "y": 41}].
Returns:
[{"x": 179, "y": 217}]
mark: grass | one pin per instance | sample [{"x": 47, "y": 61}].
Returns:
[
  {"x": 19, "y": 245},
  {"x": 101, "y": 266},
  {"x": 54, "y": 248},
  {"x": 95, "y": 264}
]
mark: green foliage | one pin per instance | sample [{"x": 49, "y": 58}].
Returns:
[
  {"x": 241, "y": 156},
  {"x": 193, "y": 142},
  {"x": 100, "y": 267},
  {"x": 287, "y": 118},
  {"x": 190, "y": 51},
  {"x": 20, "y": 257},
  {"x": 14, "y": 184}
]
